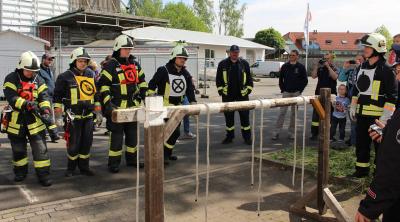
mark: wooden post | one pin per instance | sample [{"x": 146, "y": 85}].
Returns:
[
  {"x": 323, "y": 148},
  {"x": 154, "y": 159}
]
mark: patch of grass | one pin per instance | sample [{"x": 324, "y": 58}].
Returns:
[{"x": 341, "y": 162}]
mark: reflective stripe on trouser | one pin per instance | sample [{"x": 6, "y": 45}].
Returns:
[
  {"x": 315, "y": 123},
  {"x": 244, "y": 122},
  {"x": 170, "y": 144},
  {"x": 80, "y": 143},
  {"x": 39, "y": 152},
  {"x": 118, "y": 130},
  {"x": 282, "y": 113},
  {"x": 363, "y": 142}
]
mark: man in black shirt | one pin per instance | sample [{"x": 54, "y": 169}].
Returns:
[
  {"x": 327, "y": 75},
  {"x": 292, "y": 81}
]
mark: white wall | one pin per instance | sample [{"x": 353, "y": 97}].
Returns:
[{"x": 12, "y": 45}]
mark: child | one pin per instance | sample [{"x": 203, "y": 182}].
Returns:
[
  {"x": 394, "y": 55},
  {"x": 339, "y": 114}
]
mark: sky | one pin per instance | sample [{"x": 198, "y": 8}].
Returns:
[{"x": 333, "y": 15}]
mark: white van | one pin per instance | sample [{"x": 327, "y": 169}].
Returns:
[{"x": 266, "y": 68}]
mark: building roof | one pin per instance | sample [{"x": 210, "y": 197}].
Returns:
[
  {"x": 100, "y": 18},
  {"x": 47, "y": 43},
  {"x": 328, "y": 41},
  {"x": 155, "y": 33}
]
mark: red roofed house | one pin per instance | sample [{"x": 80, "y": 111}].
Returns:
[{"x": 344, "y": 44}]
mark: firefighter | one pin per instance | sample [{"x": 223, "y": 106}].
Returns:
[
  {"x": 122, "y": 85},
  {"x": 327, "y": 75},
  {"x": 374, "y": 97},
  {"x": 26, "y": 93},
  {"x": 383, "y": 195},
  {"x": 75, "y": 90},
  {"x": 234, "y": 83},
  {"x": 173, "y": 82}
]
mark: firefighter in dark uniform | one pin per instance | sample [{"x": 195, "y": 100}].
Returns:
[
  {"x": 234, "y": 83},
  {"x": 122, "y": 85},
  {"x": 374, "y": 97},
  {"x": 76, "y": 91},
  {"x": 173, "y": 82},
  {"x": 383, "y": 195},
  {"x": 26, "y": 93},
  {"x": 327, "y": 75}
]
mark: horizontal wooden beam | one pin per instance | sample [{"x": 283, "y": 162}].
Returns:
[{"x": 130, "y": 115}]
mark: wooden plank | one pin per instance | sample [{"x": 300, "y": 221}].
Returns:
[
  {"x": 318, "y": 107},
  {"x": 172, "y": 123},
  {"x": 335, "y": 206},
  {"x": 303, "y": 213},
  {"x": 323, "y": 148}
]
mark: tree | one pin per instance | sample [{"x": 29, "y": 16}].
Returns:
[
  {"x": 148, "y": 8},
  {"x": 230, "y": 18},
  {"x": 204, "y": 10},
  {"x": 181, "y": 16},
  {"x": 270, "y": 37},
  {"x": 385, "y": 32}
]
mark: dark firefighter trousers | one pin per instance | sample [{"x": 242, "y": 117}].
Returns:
[
  {"x": 117, "y": 132},
  {"x": 363, "y": 142},
  {"x": 170, "y": 144},
  {"x": 80, "y": 143},
  {"x": 38, "y": 145},
  {"x": 244, "y": 122}
]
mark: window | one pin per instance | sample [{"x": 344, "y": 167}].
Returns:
[
  {"x": 328, "y": 41},
  {"x": 210, "y": 58},
  {"x": 344, "y": 42}
]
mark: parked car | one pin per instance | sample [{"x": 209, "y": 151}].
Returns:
[{"x": 266, "y": 68}]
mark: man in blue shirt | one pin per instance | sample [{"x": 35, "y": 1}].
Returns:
[{"x": 46, "y": 73}]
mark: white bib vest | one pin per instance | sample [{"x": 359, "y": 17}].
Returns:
[{"x": 365, "y": 80}]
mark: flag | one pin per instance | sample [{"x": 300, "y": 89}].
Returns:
[{"x": 306, "y": 25}]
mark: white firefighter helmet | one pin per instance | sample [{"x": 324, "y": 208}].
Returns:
[
  {"x": 375, "y": 41},
  {"x": 179, "y": 50},
  {"x": 79, "y": 53},
  {"x": 123, "y": 42},
  {"x": 29, "y": 61}
]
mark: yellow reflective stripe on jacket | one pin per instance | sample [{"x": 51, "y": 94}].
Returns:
[
  {"x": 106, "y": 99},
  {"x": 124, "y": 104},
  {"x": 52, "y": 126},
  {"x": 166, "y": 94},
  {"x": 250, "y": 87},
  {"x": 37, "y": 130},
  {"x": 40, "y": 164},
  {"x": 114, "y": 153},
  {"x": 150, "y": 92},
  {"x": 362, "y": 164},
  {"x": 314, "y": 123},
  {"x": 121, "y": 77},
  {"x": 225, "y": 76},
  {"x": 13, "y": 122},
  {"x": 10, "y": 85},
  {"x": 42, "y": 88},
  {"x": 35, "y": 93},
  {"x": 21, "y": 162},
  {"x": 104, "y": 89},
  {"x": 371, "y": 113},
  {"x": 168, "y": 146},
  {"x": 44, "y": 104},
  {"x": 57, "y": 105},
  {"x": 106, "y": 74},
  {"x": 74, "y": 96},
  {"x": 13, "y": 131},
  {"x": 83, "y": 117},
  {"x": 131, "y": 149},
  {"x": 72, "y": 157},
  {"x": 141, "y": 73},
  {"x": 143, "y": 85},
  {"x": 20, "y": 101},
  {"x": 36, "y": 124},
  {"x": 220, "y": 88},
  {"x": 376, "y": 84},
  {"x": 244, "y": 78},
  {"x": 81, "y": 156}
]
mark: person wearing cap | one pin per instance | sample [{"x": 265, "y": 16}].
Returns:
[
  {"x": 234, "y": 83},
  {"x": 75, "y": 90},
  {"x": 173, "y": 82},
  {"x": 48, "y": 76},
  {"x": 122, "y": 85},
  {"x": 26, "y": 93},
  {"x": 374, "y": 97}
]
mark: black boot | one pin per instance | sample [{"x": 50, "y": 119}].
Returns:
[
  {"x": 20, "y": 173},
  {"x": 131, "y": 160},
  {"x": 19, "y": 178},
  {"x": 87, "y": 172},
  {"x": 248, "y": 142},
  {"x": 113, "y": 169},
  {"x": 361, "y": 172},
  {"x": 71, "y": 167},
  {"x": 227, "y": 140},
  {"x": 44, "y": 180}
]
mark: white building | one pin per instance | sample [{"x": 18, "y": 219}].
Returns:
[
  {"x": 22, "y": 15},
  {"x": 12, "y": 45},
  {"x": 210, "y": 46}
]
